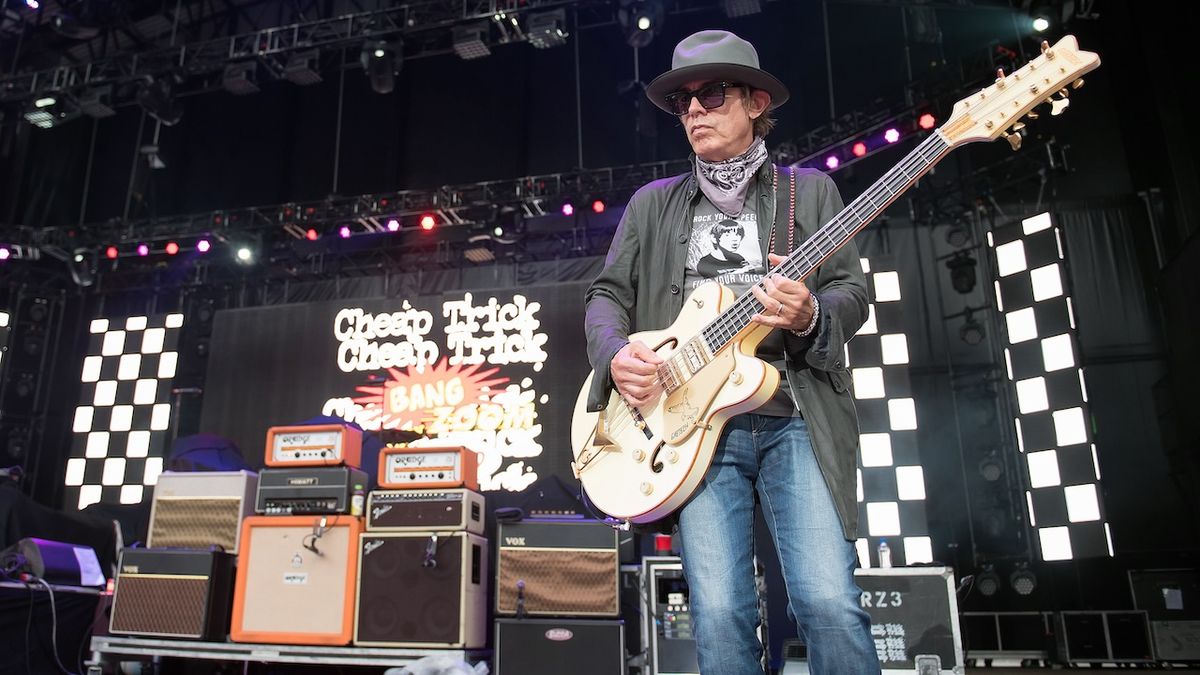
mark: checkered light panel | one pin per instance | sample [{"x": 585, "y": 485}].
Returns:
[
  {"x": 122, "y": 422},
  {"x": 1053, "y": 421},
  {"x": 891, "y": 481}
]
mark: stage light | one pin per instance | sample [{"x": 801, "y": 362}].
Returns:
[
  {"x": 344, "y": 232},
  {"x": 45, "y": 102},
  {"x": 598, "y": 206},
  {"x": 158, "y": 100},
  {"x": 203, "y": 246},
  {"x": 470, "y": 41},
  {"x": 111, "y": 252},
  {"x": 381, "y": 61},
  {"x": 547, "y": 29},
  {"x": 640, "y": 21},
  {"x": 991, "y": 468},
  {"x": 244, "y": 254},
  {"x": 1023, "y": 580},
  {"x": 311, "y": 234},
  {"x": 568, "y": 209},
  {"x": 498, "y": 231},
  {"x": 393, "y": 225},
  {"x": 987, "y": 582},
  {"x": 891, "y": 135},
  {"x": 428, "y": 221},
  {"x": 859, "y": 149},
  {"x": 927, "y": 121},
  {"x": 32, "y": 4},
  {"x": 1040, "y": 24},
  {"x": 5, "y": 254},
  {"x": 831, "y": 162},
  {"x": 172, "y": 248},
  {"x": 302, "y": 68},
  {"x": 962, "y": 272},
  {"x": 240, "y": 78},
  {"x": 143, "y": 250},
  {"x": 51, "y": 111},
  {"x": 971, "y": 332}
]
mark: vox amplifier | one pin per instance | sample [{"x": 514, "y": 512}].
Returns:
[
  {"x": 309, "y": 490},
  {"x": 422, "y": 589},
  {"x": 425, "y": 510},
  {"x": 428, "y": 467},
  {"x": 173, "y": 593},
  {"x": 200, "y": 509},
  {"x": 296, "y": 579},
  {"x": 314, "y": 445},
  {"x": 557, "y": 568}
]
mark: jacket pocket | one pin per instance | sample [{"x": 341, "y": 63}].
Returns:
[{"x": 839, "y": 380}]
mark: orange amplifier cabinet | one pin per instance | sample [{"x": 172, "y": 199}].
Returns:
[
  {"x": 296, "y": 580},
  {"x": 428, "y": 467},
  {"x": 314, "y": 445}
]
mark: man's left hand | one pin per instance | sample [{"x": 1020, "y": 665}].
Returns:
[{"x": 787, "y": 304}]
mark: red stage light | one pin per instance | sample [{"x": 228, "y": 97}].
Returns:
[
  {"x": 172, "y": 248},
  {"x": 111, "y": 252},
  {"x": 311, "y": 234},
  {"x": 427, "y": 222},
  {"x": 927, "y": 121},
  {"x": 598, "y": 206},
  {"x": 859, "y": 149}
]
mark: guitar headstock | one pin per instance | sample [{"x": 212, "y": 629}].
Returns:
[{"x": 997, "y": 110}]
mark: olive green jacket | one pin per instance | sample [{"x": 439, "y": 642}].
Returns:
[{"x": 641, "y": 288}]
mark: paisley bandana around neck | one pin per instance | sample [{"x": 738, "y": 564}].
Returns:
[{"x": 725, "y": 182}]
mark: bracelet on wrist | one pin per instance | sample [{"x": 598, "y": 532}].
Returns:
[{"x": 812, "y": 324}]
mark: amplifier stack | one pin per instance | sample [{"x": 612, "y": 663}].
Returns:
[{"x": 422, "y": 576}]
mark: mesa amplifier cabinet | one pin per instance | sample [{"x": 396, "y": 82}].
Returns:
[
  {"x": 309, "y": 489},
  {"x": 200, "y": 509},
  {"x": 557, "y": 646},
  {"x": 566, "y": 568},
  {"x": 295, "y": 580},
  {"x": 422, "y": 589},
  {"x": 314, "y": 445},
  {"x": 424, "y": 510},
  {"x": 428, "y": 467},
  {"x": 173, "y": 593}
]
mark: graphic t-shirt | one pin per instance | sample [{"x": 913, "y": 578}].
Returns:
[{"x": 729, "y": 251}]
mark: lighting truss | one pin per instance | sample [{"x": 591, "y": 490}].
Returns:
[
  {"x": 124, "y": 415},
  {"x": 891, "y": 480},
  {"x": 1053, "y": 419}
]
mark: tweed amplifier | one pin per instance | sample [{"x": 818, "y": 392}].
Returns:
[
  {"x": 428, "y": 467},
  {"x": 173, "y": 593},
  {"x": 296, "y": 579},
  {"x": 309, "y": 490},
  {"x": 314, "y": 445},
  {"x": 424, "y": 510},
  {"x": 200, "y": 509},
  {"x": 557, "y": 568},
  {"x": 422, "y": 589}
]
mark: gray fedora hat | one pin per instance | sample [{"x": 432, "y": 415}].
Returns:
[{"x": 715, "y": 55}]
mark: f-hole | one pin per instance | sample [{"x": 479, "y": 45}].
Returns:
[{"x": 655, "y": 465}]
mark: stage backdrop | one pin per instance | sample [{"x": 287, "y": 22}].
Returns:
[{"x": 496, "y": 371}]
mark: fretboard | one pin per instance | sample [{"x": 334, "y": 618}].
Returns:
[{"x": 830, "y": 237}]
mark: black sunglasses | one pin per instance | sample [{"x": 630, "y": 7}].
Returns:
[{"x": 711, "y": 95}]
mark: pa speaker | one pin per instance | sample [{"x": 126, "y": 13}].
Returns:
[{"x": 422, "y": 589}]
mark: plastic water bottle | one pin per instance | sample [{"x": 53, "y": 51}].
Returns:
[
  {"x": 885, "y": 554},
  {"x": 357, "y": 500}
]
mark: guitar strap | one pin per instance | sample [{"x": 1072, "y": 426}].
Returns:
[{"x": 785, "y": 202}]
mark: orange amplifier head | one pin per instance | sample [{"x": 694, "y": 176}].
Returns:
[
  {"x": 428, "y": 467},
  {"x": 314, "y": 445}
]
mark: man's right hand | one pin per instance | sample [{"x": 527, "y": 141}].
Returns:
[{"x": 635, "y": 373}]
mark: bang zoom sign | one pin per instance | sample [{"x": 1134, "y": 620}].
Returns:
[{"x": 495, "y": 372}]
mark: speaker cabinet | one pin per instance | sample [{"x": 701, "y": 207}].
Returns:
[
  {"x": 200, "y": 509},
  {"x": 566, "y": 568},
  {"x": 422, "y": 589},
  {"x": 556, "y": 646},
  {"x": 424, "y": 510},
  {"x": 172, "y": 593},
  {"x": 296, "y": 579}
]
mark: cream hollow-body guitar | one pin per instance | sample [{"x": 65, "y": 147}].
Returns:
[{"x": 641, "y": 464}]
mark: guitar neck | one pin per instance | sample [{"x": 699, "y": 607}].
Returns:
[{"x": 831, "y": 237}]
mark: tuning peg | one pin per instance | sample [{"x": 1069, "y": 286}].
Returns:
[
  {"x": 1018, "y": 127},
  {"x": 1077, "y": 83},
  {"x": 1000, "y": 78},
  {"x": 1046, "y": 50},
  {"x": 1032, "y": 115},
  {"x": 1014, "y": 139},
  {"x": 1058, "y": 105}
]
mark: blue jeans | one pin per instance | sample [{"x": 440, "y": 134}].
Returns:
[{"x": 772, "y": 455}]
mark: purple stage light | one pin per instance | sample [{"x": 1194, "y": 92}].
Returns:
[
  {"x": 143, "y": 249},
  {"x": 568, "y": 209},
  {"x": 344, "y": 232},
  {"x": 393, "y": 225},
  {"x": 891, "y": 135},
  {"x": 203, "y": 246},
  {"x": 5, "y": 254},
  {"x": 831, "y": 162}
]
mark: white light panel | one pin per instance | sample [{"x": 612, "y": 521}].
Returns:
[
  {"x": 903, "y": 414},
  {"x": 887, "y": 287},
  {"x": 1082, "y": 503},
  {"x": 1057, "y": 353},
  {"x": 1010, "y": 258},
  {"x": 1047, "y": 282},
  {"x": 918, "y": 550},
  {"x": 895, "y": 348},
  {"x": 884, "y": 519},
  {"x": 1056, "y": 543},
  {"x": 868, "y": 382},
  {"x": 910, "y": 483},
  {"x": 876, "y": 449},
  {"x": 120, "y": 426},
  {"x": 1031, "y": 395},
  {"x": 1043, "y": 468}
]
